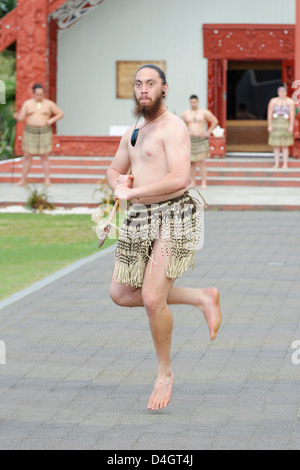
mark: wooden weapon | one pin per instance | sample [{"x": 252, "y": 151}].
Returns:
[{"x": 107, "y": 227}]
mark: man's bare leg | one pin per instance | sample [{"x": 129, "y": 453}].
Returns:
[
  {"x": 46, "y": 167},
  {"x": 193, "y": 174},
  {"x": 276, "y": 157},
  {"x": 203, "y": 174},
  {"x": 207, "y": 300},
  {"x": 161, "y": 322},
  {"x": 25, "y": 169},
  {"x": 285, "y": 156},
  {"x": 155, "y": 291},
  {"x": 161, "y": 325}
]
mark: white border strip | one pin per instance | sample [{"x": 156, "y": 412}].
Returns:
[{"x": 54, "y": 277}]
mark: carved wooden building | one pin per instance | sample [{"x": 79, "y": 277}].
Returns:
[{"x": 224, "y": 62}]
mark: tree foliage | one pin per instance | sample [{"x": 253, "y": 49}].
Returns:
[{"x": 6, "y": 6}]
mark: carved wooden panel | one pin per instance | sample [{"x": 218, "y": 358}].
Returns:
[
  {"x": 296, "y": 149},
  {"x": 52, "y": 72},
  {"x": 126, "y": 71},
  {"x": 244, "y": 42},
  {"x": 217, "y": 146},
  {"x": 8, "y": 30},
  {"x": 84, "y": 145},
  {"x": 211, "y": 85},
  {"x": 31, "y": 52}
]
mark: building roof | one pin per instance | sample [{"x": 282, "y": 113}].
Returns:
[
  {"x": 72, "y": 11},
  {"x": 65, "y": 12}
]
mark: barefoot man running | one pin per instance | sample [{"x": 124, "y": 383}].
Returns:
[{"x": 149, "y": 254}]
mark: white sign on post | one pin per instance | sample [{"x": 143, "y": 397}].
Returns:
[{"x": 2, "y": 353}]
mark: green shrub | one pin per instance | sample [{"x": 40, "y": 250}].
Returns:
[
  {"x": 7, "y": 122},
  {"x": 6, "y": 6},
  {"x": 38, "y": 200}
]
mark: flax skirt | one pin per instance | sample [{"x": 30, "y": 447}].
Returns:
[
  {"x": 280, "y": 136},
  {"x": 177, "y": 224},
  {"x": 37, "y": 140},
  {"x": 200, "y": 148}
]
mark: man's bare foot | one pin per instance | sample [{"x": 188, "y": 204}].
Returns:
[
  {"x": 162, "y": 392},
  {"x": 210, "y": 306},
  {"x": 20, "y": 183},
  {"x": 285, "y": 167},
  {"x": 203, "y": 186},
  {"x": 47, "y": 182},
  {"x": 275, "y": 167}
]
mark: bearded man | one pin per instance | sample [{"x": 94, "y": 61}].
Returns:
[{"x": 160, "y": 235}]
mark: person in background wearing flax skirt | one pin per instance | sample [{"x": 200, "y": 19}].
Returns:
[
  {"x": 197, "y": 121},
  {"x": 281, "y": 117}
]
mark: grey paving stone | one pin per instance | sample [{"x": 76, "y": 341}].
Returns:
[{"x": 80, "y": 369}]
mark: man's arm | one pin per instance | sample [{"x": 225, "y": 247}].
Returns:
[
  {"x": 183, "y": 116},
  {"x": 178, "y": 148},
  {"x": 21, "y": 116},
  {"x": 121, "y": 162},
  {"x": 270, "y": 114},
  {"x": 57, "y": 114},
  {"x": 212, "y": 120},
  {"x": 292, "y": 115}
]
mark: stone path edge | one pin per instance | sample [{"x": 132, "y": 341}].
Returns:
[{"x": 54, "y": 277}]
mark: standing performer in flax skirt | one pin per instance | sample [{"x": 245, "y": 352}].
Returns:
[
  {"x": 281, "y": 117},
  {"x": 200, "y": 123},
  {"x": 159, "y": 238},
  {"x": 39, "y": 114}
]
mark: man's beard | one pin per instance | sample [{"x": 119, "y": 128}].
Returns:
[{"x": 148, "y": 111}]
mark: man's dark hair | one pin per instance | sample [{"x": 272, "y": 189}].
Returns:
[
  {"x": 158, "y": 70},
  {"x": 37, "y": 86},
  {"x": 194, "y": 97},
  {"x": 282, "y": 85}
]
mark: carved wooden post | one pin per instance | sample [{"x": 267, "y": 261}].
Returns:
[
  {"x": 217, "y": 145},
  {"x": 31, "y": 54},
  {"x": 296, "y": 150},
  {"x": 53, "y": 63},
  {"x": 211, "y": 86},
  {"x": 7, "y": 30}
]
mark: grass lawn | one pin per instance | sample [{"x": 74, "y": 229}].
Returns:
[{"x": 33, "y": 246}]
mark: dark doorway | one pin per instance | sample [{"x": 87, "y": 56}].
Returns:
[{"x": 250, "y": 86}]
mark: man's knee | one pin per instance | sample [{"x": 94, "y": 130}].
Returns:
[
  {"x": 115, "y": 295},
  {"x": 121, "y": 296},
  {"x": 153, "y": 302}
]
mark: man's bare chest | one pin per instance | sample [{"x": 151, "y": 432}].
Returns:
[
  {"x": 195, "y": 117},
  {"x": 38, "y": 109}
]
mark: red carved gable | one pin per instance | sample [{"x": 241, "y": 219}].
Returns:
[{"x": 54, "y": 5}]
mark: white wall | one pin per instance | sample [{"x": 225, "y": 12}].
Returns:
[{"x": 143, "y": 30}]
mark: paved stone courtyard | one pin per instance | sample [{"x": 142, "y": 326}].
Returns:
[{"x": 79, "y": 369}]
